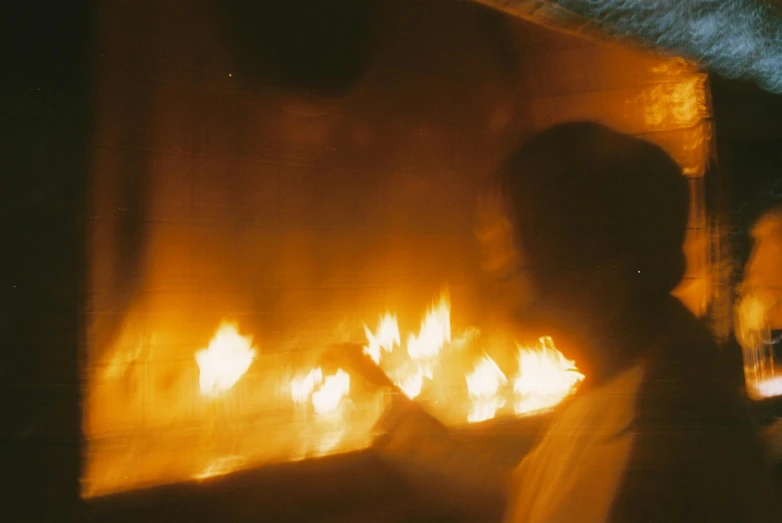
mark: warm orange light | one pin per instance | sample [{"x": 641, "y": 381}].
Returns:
[
  {"x": 545, "y": 377},
  {"x": 681, "y": 102},
  {"x": 328, "y": 398},
  {"x": 483, "y": 387},
  {"x": 221, "y": 467},
  {"x": 423, "y": 349},
  {"x": 325, "y": 394},
  {"x": 410, "y": 380},
  {"x": 435, "y": 331},
  {"x": 302, "y": 387},
  {"x": 315, "y": 418},
  {"x": 769, "y": 388},
  {"x": 386, "y": 337},
  {"x": 225, "y": 361}
]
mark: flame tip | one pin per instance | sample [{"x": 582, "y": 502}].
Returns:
[{"x": 225, "y": 360}]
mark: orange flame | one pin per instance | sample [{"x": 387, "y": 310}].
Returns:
[
  {"x": 435, "y": 331},
  {"x": 301, "y": 388},
  {"x": 483, "y": 386},
  {"x": 422, "y": 350},
  {"x": 225, "y": 361},
  {"x": 411, "y": 384},
  {"x": 410, "y": 378},
  {"x": 330, "y": 394},
  {"x": 545, "y": 377},
  {"x": 386, "y": 337},
  {"x": 325, "y": 394}
]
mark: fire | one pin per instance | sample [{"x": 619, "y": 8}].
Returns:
[
  {"x": 422, "y": 349},
  {"x": 412, "y": 384},
  {"x": 330, "y": 394},
  {"x": 485, "y": 380},
  {"x": 324, "y": 394},
  {"x": 545, "y": 377},
  {"x": 435, "y": 331},
  {"x": 483, "y": 410},
  {"x": 410, "y": 378},
  {"x": 769, "y": 388},
  {"x": 225, "y": 361},
  {"x": 483, "y": 385},
  {"x": 446, "y": 372},
  {"x": 301, "y": 388},
  {"x": 386, "y": 337}
]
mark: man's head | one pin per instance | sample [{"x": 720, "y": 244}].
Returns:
[
  {"x": 599, "y": 219},
  {"x": 587, "y": 200}
]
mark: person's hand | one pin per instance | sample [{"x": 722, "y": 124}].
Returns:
[{"x": 350, "y": 357}]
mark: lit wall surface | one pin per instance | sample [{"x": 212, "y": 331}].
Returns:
[{"x": 216, "y": 201}]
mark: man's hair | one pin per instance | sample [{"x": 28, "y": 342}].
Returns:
[{"x": 584, "y": 195}]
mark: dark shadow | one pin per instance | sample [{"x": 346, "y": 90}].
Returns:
[{"x": 320, "y": 47}]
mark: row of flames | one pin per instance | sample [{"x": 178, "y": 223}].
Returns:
[{"x": 543, "y": 379}]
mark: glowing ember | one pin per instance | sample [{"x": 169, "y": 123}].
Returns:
[
  {"x": 483, "y": 386},
  {"x": 386, "y": 337},
  {"x": 769, "y": 388},
  {"x": 225, "y": 361},
  {"x": 545, "y": 378},
  {"x": 434, "y": 333},
  {"x": 330, "y": 394}
]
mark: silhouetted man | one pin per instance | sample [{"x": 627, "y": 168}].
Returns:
[{"x": 654, "y": 434}]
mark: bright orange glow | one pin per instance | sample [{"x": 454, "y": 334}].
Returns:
[
  {"x": 545, "y": 377},
  {"x": 302, "y": 387},
  {"x": 483, "y": 386},
  {"x": 329, "y": 396},
  {"x": 447, "y": 372},
  {"x": 386, "y": 337},
  {"x": 423, "y": 350},
  {"x": 325, "y": 394},
  {"x": 769, "y": 388},
  {"x": 754, "y": 315},
  {"x": 412, "y": 384},
  {"x": 225, "y": 361},
  {"x": 675, "y": 104},
  {"x": 221, "y": 467},
  {"x": 435, "y": 331},
  {"x": 329, "y": 442}
]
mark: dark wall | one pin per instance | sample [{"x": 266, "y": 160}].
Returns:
[
  {"x": 44, "y": 119},
  {"x": 749, "y": 141}
]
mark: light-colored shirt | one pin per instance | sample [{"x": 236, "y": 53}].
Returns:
[{"x": 574, "y": 474}]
